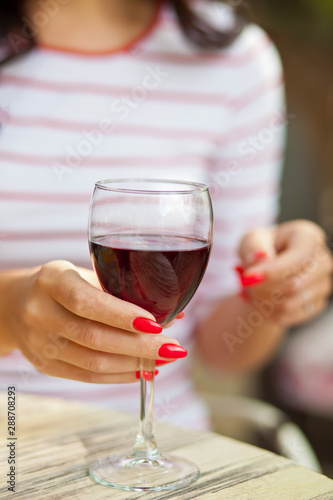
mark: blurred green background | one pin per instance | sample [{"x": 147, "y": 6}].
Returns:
[
  {"x": 303, "y": 32},
  {"x": 296, "y": 15}
]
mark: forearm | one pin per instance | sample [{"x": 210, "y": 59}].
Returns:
[
  {"x": 12, "y": 283},
  {"x": 237, "y": 337}
]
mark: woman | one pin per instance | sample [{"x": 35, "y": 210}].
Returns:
[{"x": 99, "y": 89}]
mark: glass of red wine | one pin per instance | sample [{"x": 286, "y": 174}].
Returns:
[{"x": 150, "y": 242}]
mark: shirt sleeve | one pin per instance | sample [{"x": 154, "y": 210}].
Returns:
[{"x": 244, "y": 178}]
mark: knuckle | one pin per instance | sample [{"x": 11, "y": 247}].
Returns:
[
  {"x": 90, "y": 377},
  {"x": 91, "y": 337},
  {"x": 43, "y": 276},
  {"x": 30, "y": 312},
  {"x": 77, "y": 300},
  {"x": 311, "y": 227},
  {"x": 147, "y": 346},
  {"x": 96, "y": 364},
  {"x": 141, "y": 348}
]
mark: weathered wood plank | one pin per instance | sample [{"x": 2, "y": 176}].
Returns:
[{"x": 57, "y": 440}]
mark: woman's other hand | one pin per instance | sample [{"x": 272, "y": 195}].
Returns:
[{"x": 287, "y": 271}]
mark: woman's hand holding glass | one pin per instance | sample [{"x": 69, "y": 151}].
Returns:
[{"x": 67, "y": 327}]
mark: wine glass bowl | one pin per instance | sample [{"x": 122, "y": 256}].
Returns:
[{"x": 150, "y": 242}]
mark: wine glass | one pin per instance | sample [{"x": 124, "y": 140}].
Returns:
[{"x": 150, "y": 242}]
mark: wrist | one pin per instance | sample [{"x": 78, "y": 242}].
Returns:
[{"x": 14, "y": 285}]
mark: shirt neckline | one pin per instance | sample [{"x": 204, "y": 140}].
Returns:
[{"x": 148, "y": 31}]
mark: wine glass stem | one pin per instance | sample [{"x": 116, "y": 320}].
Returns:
[{"x": 145, "y": 445}]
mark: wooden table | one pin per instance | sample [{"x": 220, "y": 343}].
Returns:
[{"x": 57, "y": 439}]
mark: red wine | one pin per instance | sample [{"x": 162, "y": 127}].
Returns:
[{"x": 158, "y": 273}]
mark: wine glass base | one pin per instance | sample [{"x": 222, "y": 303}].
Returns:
[{"x": 125, "y": 472}]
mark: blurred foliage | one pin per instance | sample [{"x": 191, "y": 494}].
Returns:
[
  {"x": 323, "y": 8},
  {"x": 311, "y": 16}
]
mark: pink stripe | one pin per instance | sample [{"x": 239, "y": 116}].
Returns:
[
  {"x": 257, "y": 159},
  {"x": 253, "y": 128},
  {"x": 258, "y": 92},
  {"x": 223, "y": 252},
  {"x": 119, "y": 129},
  {"x": 19, "y": 264},
  {"x": 225, "y": 59},
  {"x": 38, "y": 197},
  {"x": 193, "y": 98},
  {"x": 91, "y": 88},
  {"x": 236, "y": 134},
  {"x": 43, "y": 235},
  {"x": 254, "y": 220},
  {"x": 241, "y": 192},
  {"x": 107, "y": 162}
]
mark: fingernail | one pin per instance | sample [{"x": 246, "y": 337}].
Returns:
[
  {"x": 239, "y": 270},
  {"x": 180, "y": 315},
  {"x": 160, "y": 362},
  {"x": 146, "y": 375},
  {"x": 244, "y": 295},
  {"x": 260, "y": 254},
  {"x": 147, "y": 325},
  {"x": 172, "y": 351},
  {"x": 252, "y": 279}
]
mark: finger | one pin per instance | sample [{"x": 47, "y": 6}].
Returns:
[
  {"x": 257, "y": 245},
  {"x": 319, "y": 290},
  {"x": 96, "y": 336},
  {"x": 99, "y": 337},
  {"x": 81, "y": 298},
  {"x": 315, "y": 271},
  {"x": 65, "y": 370},
  {"x": 295, "y": 251},
  {"x": 316, "y": 275},
  {"x": 302, "y": 314},
  {"x": 90, "y": 276},
  {"x": 292, "y": 285},
  {"x": 90, "y": 360}
]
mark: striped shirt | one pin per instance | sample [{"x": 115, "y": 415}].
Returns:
[{"x": 160, "y": 108}]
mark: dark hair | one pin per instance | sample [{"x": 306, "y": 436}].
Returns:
[{"x": 195, "y": 28}]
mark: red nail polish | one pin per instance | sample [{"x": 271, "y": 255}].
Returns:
[
  {"x": 244, "y": 295},
  {"x": 146, "y": 375},
  {"x": 239, "y": 270},
  {"x": 160, "y": 362},
  {"x": 260, "y": 254},
  {"x": 180, "y": 315},
  {"x": 172, "y": 351},
  {"x": 253, "y": 279},
  {"x": 147, "y": 325}
]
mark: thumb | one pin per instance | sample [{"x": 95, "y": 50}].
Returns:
[{"x": 256, "y": 246}]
